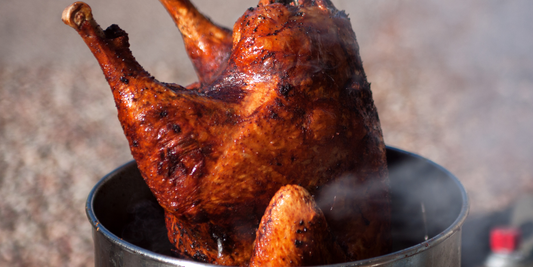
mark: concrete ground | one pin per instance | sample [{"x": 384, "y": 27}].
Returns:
[{"x": 452, "y": 80}]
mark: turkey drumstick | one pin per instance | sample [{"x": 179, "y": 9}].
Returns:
[{"x": 294, "y": 232}]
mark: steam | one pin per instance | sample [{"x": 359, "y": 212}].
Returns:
[
  {"x": 425, "y": 200},
  {"x": 334, "y": 196}
]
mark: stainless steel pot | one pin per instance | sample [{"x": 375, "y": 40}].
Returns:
[{"x": 429, "y": 208}]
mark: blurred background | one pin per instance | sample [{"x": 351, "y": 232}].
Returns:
[{"x": 452, "y": 80}]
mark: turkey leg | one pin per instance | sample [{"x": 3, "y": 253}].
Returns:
[
  {"x": 294, "y": 232},
  {"x": 169, "y": 129}
]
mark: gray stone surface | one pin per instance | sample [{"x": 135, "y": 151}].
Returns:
[{"x": 453, "y": 81}]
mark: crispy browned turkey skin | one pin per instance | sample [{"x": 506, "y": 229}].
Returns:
[
  {"x": 283, "y": 100},
  {"x": 294, "y": 232}
]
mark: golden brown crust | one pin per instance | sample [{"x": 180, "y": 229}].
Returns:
[
  {"x": 291, "y": 106},
  {"x": 294, "y": 232}
]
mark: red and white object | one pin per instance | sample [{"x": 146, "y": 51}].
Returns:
[
  {"x": 504, "y": 243},
  {"x": 504, "y": 239}
]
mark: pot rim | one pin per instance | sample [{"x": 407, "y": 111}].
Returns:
[{"x": 391, "y": 257}]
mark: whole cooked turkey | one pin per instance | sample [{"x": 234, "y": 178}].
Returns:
[{"x": 276, "y": 156}]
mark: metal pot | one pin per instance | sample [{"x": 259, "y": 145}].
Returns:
[{"x": 429, "y": 206}]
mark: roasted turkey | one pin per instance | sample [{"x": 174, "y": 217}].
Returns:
[{"x": 276, "y": 156}]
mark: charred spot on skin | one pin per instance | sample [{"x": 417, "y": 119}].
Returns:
[
  {"x": 174, "y": 163},
  {"x": 208, "y": 149},
  {"x": 298, "y": 243},
  {"x": 135, "y": 143},
  {"x": 285, "y": 89},
  {"x": 267, "y": 55},
  {"x": 274, "y": 115},
  {"x": 114, "y": 31},
  {"x": 160, "y": 167},
  {"x": 124, "y": 80},
  {"x": 279, "y": 102},
  {"x": 176, "y": 128},
  {"x": 163, "y": 113}
]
